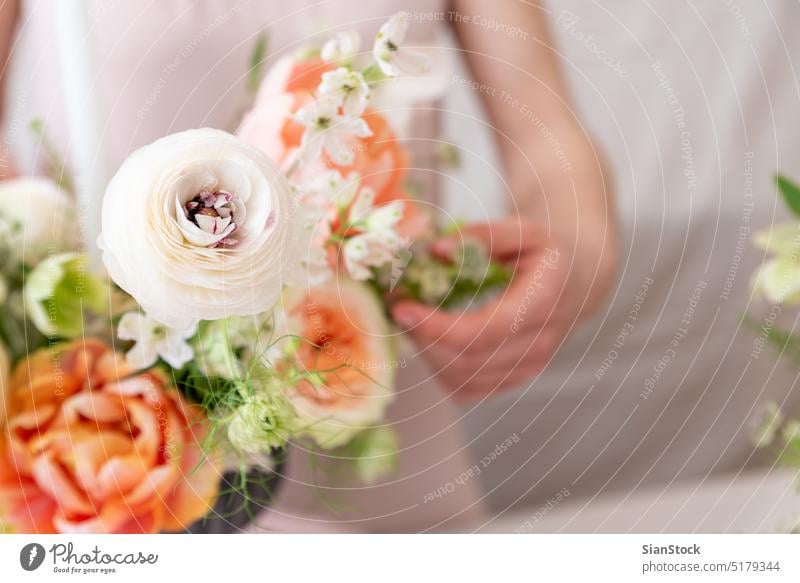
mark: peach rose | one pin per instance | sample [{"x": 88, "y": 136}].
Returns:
[
  {"x": 346, "y": 338},
  {"x": 86, "y": 447}
]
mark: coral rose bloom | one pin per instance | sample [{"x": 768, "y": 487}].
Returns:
[
  {"x": 87, "y": 448},
  {"x": 379, "y": 159},
  {"x": 346, "y": 338}
]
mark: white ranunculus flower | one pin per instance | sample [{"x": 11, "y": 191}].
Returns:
[
  {"x": 36, "y": 218},
  {"x": 201, "y": 226}
]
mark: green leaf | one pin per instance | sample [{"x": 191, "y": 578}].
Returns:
[
  {"x": 256, "y": 62},
  {"x": 790, "y": 192}
]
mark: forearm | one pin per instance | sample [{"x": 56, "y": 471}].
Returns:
[{"x": 553, "y": 171}]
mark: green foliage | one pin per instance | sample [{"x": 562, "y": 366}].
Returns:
[
  {"x": 56, "y": 167},
  {"x": 254, "y": 73},
  {"x": 432, "y": 280},
  {"x": 60, "y": 292}
]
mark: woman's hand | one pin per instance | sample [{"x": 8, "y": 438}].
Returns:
[
  {"x": 511, "y": 339},
  {"x": 8, "y": 169}
]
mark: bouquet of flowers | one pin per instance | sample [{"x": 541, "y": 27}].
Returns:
[{"x": 242, "y": 305}]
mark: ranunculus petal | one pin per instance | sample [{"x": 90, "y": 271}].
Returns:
[{"x": 165, "y": 261}]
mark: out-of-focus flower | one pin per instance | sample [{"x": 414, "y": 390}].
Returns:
[
  {"x": 367, "y": 232},
  {"x": 766, "y": 425},
  {"x": 374, "y": 453},
  {"x": 779, "y": 277},
  {"x": 5, "y": 371},
  {"x": 157, "y": 249},
  {"x": 60, "y": 292},
  {"x": 348, "y": 87},
  {"x": 262, "y": 423},
  {"x": 378, "y": 159},
  {"x": 87, "y": 448},
  {"x": 36, "y": 219},
  {"x": 389, "y": 51},
  {"x": 224, "y": 348},
  {"x": 153, "y": 339},
  {"x": 346, "y": 348},
  {"x": 270, "y": 126},
  {"x": 791, "y": 430},
  {"x": 329, "y": 131},
  {"x": 343, "y": 46}
]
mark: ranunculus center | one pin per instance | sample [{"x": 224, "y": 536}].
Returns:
[{"x": 215, "y": 213}]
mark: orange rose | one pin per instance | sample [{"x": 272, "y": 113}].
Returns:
[
  {"x": 288, "y": 86},
  {"x": 379, "y": 159},
  {"x": 347, "y": 340},
  {"x": 86, "y": 447}
]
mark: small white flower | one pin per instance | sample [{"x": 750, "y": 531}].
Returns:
[
  {"x": 378, "y": 242},
  {"x": 385, "y": 217},
  {"x": 779, "y": 277},
  {"x": 369, "y": 250},
  {"x": 389, "y": 53},
  {"x": 349, "y": 87},
  {"x": 329, "y": 131},
  {"x": 765, "y": 425},
  {"x": 343, "y": 46},
  {"x": 153, "y": 339},
  {"x": 326, "y": 186}
]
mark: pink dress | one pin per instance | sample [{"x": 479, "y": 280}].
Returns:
[{"x": 175, "y": 64}]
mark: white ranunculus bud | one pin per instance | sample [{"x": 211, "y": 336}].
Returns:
[
  {"x": 201, "y": 226},
  {"x": 343, "y": 46},
  {"x": 36, "y": 219}
]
